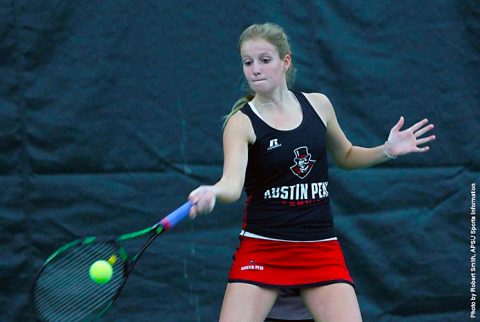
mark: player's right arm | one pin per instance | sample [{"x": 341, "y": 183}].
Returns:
[{"x": 237, "y": 135}]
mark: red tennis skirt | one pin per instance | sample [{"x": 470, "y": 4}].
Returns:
[{"x": 270, "y": 263}]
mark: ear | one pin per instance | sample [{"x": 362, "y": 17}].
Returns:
[{"x": 287, "y": 62}]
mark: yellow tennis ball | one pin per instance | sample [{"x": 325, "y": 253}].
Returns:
[{"x": 101, "y": 272}]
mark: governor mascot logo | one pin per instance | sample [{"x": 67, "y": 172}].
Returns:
[{"x": 303, "y": 162}]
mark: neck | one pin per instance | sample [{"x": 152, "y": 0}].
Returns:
[{"x": 280, "y": 98}]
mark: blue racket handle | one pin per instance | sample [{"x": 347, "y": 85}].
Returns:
[{"x": 176, "y": 216}]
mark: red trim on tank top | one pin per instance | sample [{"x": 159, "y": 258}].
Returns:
[{"x": 245, "y": 211}]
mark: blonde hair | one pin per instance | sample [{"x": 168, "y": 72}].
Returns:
[{"x": 276, "y": 36}]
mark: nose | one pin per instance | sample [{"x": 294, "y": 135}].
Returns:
[{"x": 256, "y": 69}]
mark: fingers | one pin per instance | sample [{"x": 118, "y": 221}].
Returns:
[
  {"x": 422, "y": 149},
  {"x": 420, "y": 129},
  {"x": 417, "y": 125},
  {"x": 425, "y": 140},
  {"x": 193, "y": 211},
  {"x": 203, "y": 199},
  {"x": 399, "y": 124},
  {"x": 424, "y": 130},
  {"x": 195, "y": 196}
]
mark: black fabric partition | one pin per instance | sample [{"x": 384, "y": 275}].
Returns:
[{"x": 111, "y": 113}]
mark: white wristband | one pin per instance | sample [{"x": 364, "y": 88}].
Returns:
[{"x": 388, "y": 155}]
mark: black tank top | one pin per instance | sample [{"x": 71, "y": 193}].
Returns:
[{"x": 286, "y": 179}]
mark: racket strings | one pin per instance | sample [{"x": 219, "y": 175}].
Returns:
[{"x": 64, "y": 291}]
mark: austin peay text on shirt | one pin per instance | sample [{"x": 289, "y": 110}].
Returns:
[{"x": 301, "y": 193}]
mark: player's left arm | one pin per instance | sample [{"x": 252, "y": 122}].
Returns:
[{"x": 349, "y": 156}]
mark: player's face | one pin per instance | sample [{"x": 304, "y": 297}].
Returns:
[{"x": 262, "y": 65}]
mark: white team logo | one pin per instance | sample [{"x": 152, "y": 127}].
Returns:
[
  {"x": 303, "y": 162},
  {"x": 252, "y": 266},
  {"x": 273, "y": 144}
]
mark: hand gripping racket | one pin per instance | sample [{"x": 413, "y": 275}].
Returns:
[{"x": 63, "y": 290}]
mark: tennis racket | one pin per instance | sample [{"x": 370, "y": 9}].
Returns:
[{"x": 63, "y": 290}]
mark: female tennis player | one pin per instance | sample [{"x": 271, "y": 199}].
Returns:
[{"x": 275, "y": 145}]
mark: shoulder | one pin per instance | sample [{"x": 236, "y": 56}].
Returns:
[
  {"x": 240, "y": 126},
  {"x": 321, "y": 105},
  {"x": 319, "y": 101},
  {"x": 238, "y": 119}
]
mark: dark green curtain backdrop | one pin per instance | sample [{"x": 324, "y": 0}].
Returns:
[{"x": 111, "y": 113}]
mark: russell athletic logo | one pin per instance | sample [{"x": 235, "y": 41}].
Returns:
[
  {"x": 303, "y": 162},
  {"x": 273, "y": 144}
]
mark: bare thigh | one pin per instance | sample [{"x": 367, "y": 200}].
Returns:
[
  {"x": 332, "y": 303},
  {"x": 247, "y": 303}
]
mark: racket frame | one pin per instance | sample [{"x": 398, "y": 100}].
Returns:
[{"x": 156, "y": 230}]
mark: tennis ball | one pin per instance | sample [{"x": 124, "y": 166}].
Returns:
[{"x": 101, "y": 272}]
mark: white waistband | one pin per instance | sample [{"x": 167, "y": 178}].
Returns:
[{"x": 247, "y": 234}]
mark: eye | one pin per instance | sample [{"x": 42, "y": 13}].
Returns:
[
  {"x": 247, "y": 63},
  {"x": 266, "y": 60}
]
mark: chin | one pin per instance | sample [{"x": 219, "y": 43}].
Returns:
[{"x": 261, "y": 89}]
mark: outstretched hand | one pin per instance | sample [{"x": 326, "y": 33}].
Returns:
[{"x": 407, "y": 141}]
